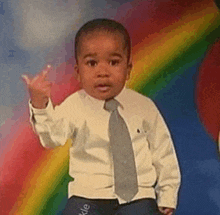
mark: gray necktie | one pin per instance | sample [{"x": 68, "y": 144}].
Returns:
[{"x": 125, "y": 175}]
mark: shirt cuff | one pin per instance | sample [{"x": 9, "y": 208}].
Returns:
[
  {"x": 39, "y": 115},
  {"x": 37, "y": 110},
  {"x": 167, "y": 199}
]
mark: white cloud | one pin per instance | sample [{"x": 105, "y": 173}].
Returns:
[
  {"x": 42, "y": 24},
  {"x": 211, "y": 169},
  {"x": 214, "y": 195}
]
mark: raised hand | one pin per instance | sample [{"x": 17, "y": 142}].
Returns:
[{"x": 39, "y": 88}]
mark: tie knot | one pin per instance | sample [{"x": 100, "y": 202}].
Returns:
[{"x": 111, "y": 105}]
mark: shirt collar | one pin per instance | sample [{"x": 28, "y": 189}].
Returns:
[
  {"x": 120, "y": 97},
  {"x": 97, "y": 103},
  {"x": 91, "y": 101}
]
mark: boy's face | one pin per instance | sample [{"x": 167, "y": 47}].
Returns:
[{"x": 102, "y": 66}]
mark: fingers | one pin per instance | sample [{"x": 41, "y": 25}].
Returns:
[
  {"x": 161, "y": 209},
  {"x": 166, "y": 211},
  {"x": 40, "y": 77},
  {"x": 39, "y": 87},
  {"x": 26, "y": 79},
  {"x": 44, "y": 74},
  {"x": 38, "y": 84}
]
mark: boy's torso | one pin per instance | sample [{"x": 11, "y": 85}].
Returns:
[{"x": 91, "y": 163}]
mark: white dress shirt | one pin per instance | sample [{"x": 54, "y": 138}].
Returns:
[{"x": 83, "y": 119}]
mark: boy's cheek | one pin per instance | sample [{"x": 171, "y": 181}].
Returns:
[{"x": 78, "y": 77}]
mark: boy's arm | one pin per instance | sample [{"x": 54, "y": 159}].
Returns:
[
  {"x": 165, "y": 161},
  {"x": 50, "y": 125}
]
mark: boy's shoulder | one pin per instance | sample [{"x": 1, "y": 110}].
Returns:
[
  {"x": 134, "y": 96},
  {"x": 73, "y": 99},
  {"x": 139, "y": 104}
]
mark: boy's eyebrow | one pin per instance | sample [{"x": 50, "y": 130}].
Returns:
[
  {"x": 90, "y": 55},
  {"x": 95, "y": 54},
  {"x": 116, "y": 54}
]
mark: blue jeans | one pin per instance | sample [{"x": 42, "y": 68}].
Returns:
[{"x": 82, "y": 206}]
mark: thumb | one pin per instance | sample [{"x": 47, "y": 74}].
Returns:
[{"x": 26, "y": 79}]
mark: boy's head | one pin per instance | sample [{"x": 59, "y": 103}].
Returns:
[
  {"x": 105, "y": 25},
  {"x": 103, "y": 57}
]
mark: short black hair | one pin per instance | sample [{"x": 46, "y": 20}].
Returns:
[{"x": 106, "y": 25}]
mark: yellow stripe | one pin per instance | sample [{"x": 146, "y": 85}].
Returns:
[{"x": 42, "y": 182}]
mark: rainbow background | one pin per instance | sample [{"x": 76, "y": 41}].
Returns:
[{"x": 176, "y": 55}]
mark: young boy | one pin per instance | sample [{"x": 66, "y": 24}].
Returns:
[{"x": 103, "y": 65}]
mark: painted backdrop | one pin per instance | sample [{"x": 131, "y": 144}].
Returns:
[{"x": 176, "y": 55}]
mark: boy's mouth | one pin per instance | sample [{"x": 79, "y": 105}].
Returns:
[{"x": 103, "y": 87}]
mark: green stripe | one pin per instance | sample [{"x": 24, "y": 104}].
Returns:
[{"x": 181, "y": 62}]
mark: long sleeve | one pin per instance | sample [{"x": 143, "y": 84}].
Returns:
[
  {"x": 51, "y": 125},
  {"x": 165, "y": 162}
]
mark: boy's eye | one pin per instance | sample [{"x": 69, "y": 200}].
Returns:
[
  {"x": 91, "y": 63},
  {"x": 114, "y": 62}
]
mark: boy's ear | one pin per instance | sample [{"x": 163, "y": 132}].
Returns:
[
  {"x": 76, "y": 70},
  {"x": 130, "y": 66}
]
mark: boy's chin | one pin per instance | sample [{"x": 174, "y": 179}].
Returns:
[{"x": 102, "y": 96}]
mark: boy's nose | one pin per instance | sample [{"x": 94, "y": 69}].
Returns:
[{"x": 103, "y": 72}]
